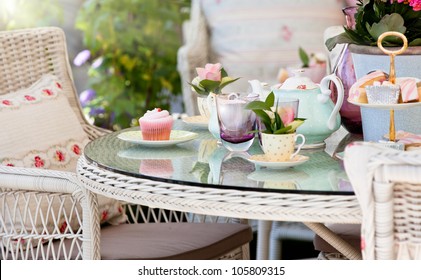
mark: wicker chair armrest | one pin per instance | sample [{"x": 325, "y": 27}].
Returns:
[{"x": 15, "y": 179}]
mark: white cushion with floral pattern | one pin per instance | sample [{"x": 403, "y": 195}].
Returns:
[{"x": 40, "y": 130}]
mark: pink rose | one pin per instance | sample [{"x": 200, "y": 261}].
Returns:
[
  {"x": 287, "y": 115},
  {"x": 210, "y": 72}
]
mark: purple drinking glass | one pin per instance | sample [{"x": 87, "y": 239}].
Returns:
[
  {"x": 344, "y": 69},
  {"x": 236, "y": 124}
]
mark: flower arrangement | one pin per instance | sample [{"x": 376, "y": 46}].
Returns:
[
  {"x": 212, "y": 78},
  {"x": 275, "y": 120},
  {"x": 374, "y": 17}
]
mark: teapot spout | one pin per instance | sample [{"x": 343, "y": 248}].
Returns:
[
  {"x": 256, "y": 86},
  {"x": 259, "y": 88}
]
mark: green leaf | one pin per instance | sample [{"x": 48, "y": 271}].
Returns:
[
  {"x": 223, "y": 73},
  {"x": 304, "y": 57},
  {"x": 226, "y": 81},
  {"x": 278, "y": 121},
  {"x": 270, "y": 99},
  {"x": 416, "y": 42},
  {"x": 282, "y": 130},
  {"x": 209, "y": 85},
  {"x": 392, "y": 22},
  {"x": 198, "y": 89},
  {"x": 258, "y": 105},
  {"x": 294, "y": 125},
  {"x": 342, "y": 38},
  {"x": 263, "y": 116}
]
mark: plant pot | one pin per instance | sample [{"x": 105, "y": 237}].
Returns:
[
  {"x": 376, "y": 121},
  {"x": 280, "y": 147}
]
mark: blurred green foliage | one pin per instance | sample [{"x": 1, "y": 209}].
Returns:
[{"x": 133, "y": 45}]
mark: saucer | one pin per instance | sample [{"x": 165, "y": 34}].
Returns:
[
  {"x": 176, "y": 137},
  {"x": 197, "y": 121},
  {"x": 261, "y": 160},
  {"x": 340, "y": 155}
]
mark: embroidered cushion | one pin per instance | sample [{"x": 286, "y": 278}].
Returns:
[
  {"x": 254, "y": 39},
  {"x": 40, "y": 130}
]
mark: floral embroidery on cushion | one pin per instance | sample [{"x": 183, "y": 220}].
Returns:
[
  {"x": 9, "y": 103},
  {"x": 11, "y": 162},
  {"x": 28, "y": 98},
  {"x": 58, "y": 155},
  {"x": 37, "y": 160},
  {"x": 75, "y": 148},
  {"x": 48, "y": 91},
  {"x": 104, "y": 215}
]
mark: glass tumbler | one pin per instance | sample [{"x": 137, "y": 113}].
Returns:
[{"x": 237, "y": 124}]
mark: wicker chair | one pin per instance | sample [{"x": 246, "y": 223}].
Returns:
[
  {"x": 387, "y": 183},
  {"x": 35, "y": 203}
]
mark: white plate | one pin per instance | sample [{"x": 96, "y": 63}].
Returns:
[
  {"x": 176, "y": 137},
  {"x": 398, "y": 106},
  {"x": 262, "y": 161},
  {"x": 197, "y": 121}
]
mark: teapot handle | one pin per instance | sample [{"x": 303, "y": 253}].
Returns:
[{"x": 324, "y": 96}]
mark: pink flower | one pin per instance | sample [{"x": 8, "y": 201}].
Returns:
[
  {"x": 210, "y": 72},
  {"x": 287, "y": 115},
  {"x": 415, "y": 4},
  {"x": 6, "y": 102}
]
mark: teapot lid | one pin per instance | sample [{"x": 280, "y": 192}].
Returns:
[{"x": 298, "y": 81}]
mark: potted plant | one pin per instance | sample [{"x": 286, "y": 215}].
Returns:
[
  {"x": 277, "y": 128},
  {"x": 209, "y": 81},
  {"x": 373, "y": 18}
]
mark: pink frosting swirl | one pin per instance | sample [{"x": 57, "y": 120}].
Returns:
[{"x": 156, "y": 113}]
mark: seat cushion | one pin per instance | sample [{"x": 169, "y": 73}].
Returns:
[
  {"x": 349, "y": 232},
  {"x": 41, "y": 130},
  {"x": 183, "y": 241}
]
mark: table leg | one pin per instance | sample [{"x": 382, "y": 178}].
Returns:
[
  {"x": 336, "y": 241},
  {"x": 263, "y": 234}
]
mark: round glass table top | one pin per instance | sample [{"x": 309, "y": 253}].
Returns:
[{"x": 201, "y": 161}]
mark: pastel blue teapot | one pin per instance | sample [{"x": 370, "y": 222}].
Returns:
[{"x": 315, "y": 105}]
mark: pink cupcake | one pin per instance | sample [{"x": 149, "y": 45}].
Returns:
[{"x": 156, "y": 125}]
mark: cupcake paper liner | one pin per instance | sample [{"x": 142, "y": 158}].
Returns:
[{"x": 156, "y": 129}]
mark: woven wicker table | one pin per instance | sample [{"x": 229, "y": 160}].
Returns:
[{"x": 201, "y": 177}]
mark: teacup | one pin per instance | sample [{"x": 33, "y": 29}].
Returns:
[{"x": 280, "y": 147}]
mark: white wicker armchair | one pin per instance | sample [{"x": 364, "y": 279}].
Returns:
[
  {"x": 387, "y": 183},
  {"x": 47, "y": 213}
]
